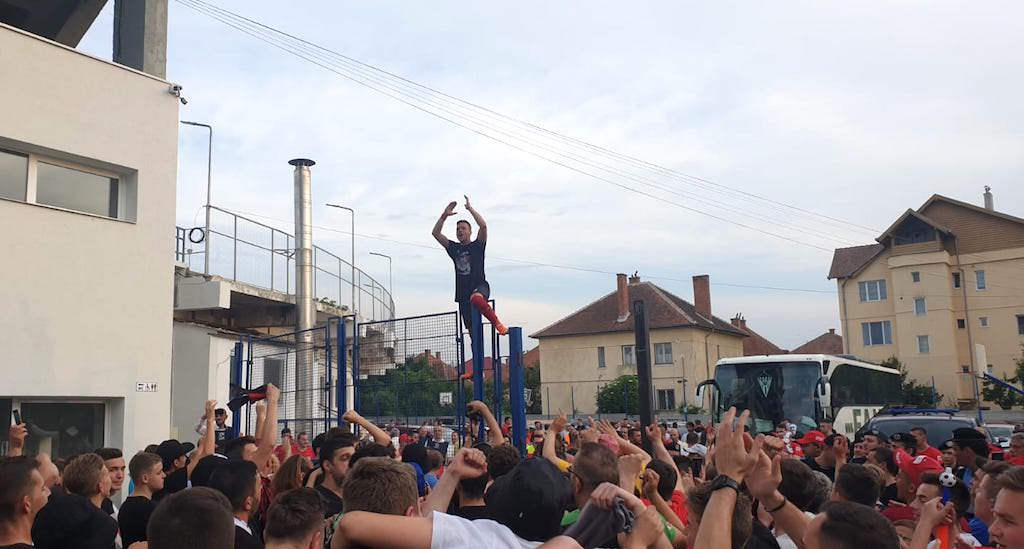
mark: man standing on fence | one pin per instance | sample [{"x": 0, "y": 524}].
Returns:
[{"x": 471, "y": 286}]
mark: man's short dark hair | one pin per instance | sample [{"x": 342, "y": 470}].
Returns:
[
  {"x": 463, "y": 221},
  {"x": 851, "y": 525},
  {"x": 798, "y": 484},
  {"x": 332, "y": 445},
  {"x": 109, "y": 453},
  {"x": 742, "y": 525},
  {"x": 294, "y": 515},
  {"x": 220, "y": 412},
  {"x": 979, "y": 446},
  {"x": 692, "y": 438},
  {"x": 667, "y": 478},
  {"x": 371, "y": 449},
  {"x": 141, "y": 464},
  {"x": 236, "y": 480},
  {"x": 473, "y": 488},
  {"x": 886, "y": 459},
  {"x": 959, "y": 493},
  {"x": 858, "y": 483},
  {"x": 380, "y": 485},
  {"x": 15, "y": 484},
  {"x": 595, "y": 464},
  {"x": 502, "y": 459},
  {"x": 197, "y": 518},
  {"x": 922, "y": 429},
  {"x": 233, "y": 448}
]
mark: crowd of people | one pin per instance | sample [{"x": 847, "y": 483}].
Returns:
[{"x": 579, "y": 484}]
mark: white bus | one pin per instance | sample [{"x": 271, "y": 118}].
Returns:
[{"x": 805, "y": 389}]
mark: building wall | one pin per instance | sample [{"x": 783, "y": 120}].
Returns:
[
  {"x": 201, "y": 370},
  {"x": 88, "y": 299},
  {"x": 570, "y": 374},
  {"x": 949, "y": 346}
]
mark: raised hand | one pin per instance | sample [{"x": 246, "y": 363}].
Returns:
[
  {"x": 211, "y": 405},
  {"x": 449, "y": 210},
  {"x": 558, "y": 425},
  {"x": 467, "y": 202},
  {"x": 654, "y": 434},
  {"x": 351, "y": 416},
  {"x": 468, "y": 463},
  {"x": 261, "y": 409},
  {"x": 16, "y": 434},
  {"x": 273, "y": 393},
  {"x": 765, "y": 477},
  {"x": 630, "y": 466},
  {"x": 736, "y": 454},
  {"x": 650, "y": 486}
]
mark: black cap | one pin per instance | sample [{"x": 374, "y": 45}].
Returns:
[
  {"x": 170, "y": 450},
  {"x": 874, "y": 433},
  {"x": 946, "y": 445},
  {"x": 201, "y": 474},
  {"x": 905, "y": 438},
  {"x": 530, "y": 499},
  {"x": 966, "y": 433}
]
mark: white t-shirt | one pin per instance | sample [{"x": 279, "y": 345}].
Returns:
[
  {"x": 698, "y": 449},
  {"x": 452, "y": 532}
]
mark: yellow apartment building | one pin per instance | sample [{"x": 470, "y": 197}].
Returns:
[
  {"x": 938, "y": 281},
  {"x": 595, "y": 345}
]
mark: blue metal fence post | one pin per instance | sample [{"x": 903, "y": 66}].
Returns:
[
  {"x": 516, "y": 388},
  {"x": 499, "y": 389},
  {"x": 248, "y": 380},
  {"x": 355, "y": 371},
  {"x": 341, "y": 385},
  {"x": 460, "y": 386},
  {"x": 236, "y": 380},
  {"x": 477, "y": 344},
  {"x": 330, "y": 378}
]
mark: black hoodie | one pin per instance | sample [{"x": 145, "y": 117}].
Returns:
[{"x": 73, "y": 521}]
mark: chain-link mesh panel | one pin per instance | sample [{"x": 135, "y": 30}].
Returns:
[
  {"x": 304, "y": 366},
  {"x": 409, "y": 370}
]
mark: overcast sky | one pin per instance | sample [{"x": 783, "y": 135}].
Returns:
[{"x": 857, "y": 111}]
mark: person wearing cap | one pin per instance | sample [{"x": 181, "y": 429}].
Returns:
[
  {"x": 904, "y": 441},
  {"x": 834, "y": 452},
  {"x": 175, "y": 461},
  {"x": 870, "y": 439},
  {"x": 971, "y": 448},
  {"x": 948, "y": 453}
]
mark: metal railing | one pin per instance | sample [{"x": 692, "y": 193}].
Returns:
[{"x": 247, "y": 251}]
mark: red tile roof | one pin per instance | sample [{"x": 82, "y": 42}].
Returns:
[
  {"x": 828, "y": 343},
  {"x": 531, "y": 358},
  {"x": 756, "y": 344},
  {"x": 664, "y": 310},
  {"x": 847, "y": 261}
]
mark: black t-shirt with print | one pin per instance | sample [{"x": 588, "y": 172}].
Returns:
[
  {"x": 469, "y": 267},
  {"x": 332, "y": 503}
]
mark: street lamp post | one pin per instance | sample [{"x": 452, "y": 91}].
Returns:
[
  {"x": 353, "y": 233},
  {"x": 391, "y": 283},
  {"x": 209, "y": 165}
]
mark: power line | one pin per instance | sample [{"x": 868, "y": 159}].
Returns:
[
  {"x": 703, "y": 183},
  {"x": 406, "y": 99}
]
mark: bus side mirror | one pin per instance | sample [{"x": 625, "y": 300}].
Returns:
[
  {"x": 699, "y": 393},
  {"x": 824, "y": 387}
]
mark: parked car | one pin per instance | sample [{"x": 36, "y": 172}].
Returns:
[
  {"x": 938, "y": 422},
  {"x": 1000, "y": 433}
]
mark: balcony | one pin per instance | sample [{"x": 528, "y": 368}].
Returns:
[{"x": 249, "y": 252}]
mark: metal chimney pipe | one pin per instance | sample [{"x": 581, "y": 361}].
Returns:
[
  {"x": 305, "y": 307},
  {"x": 989, "y": 205}
]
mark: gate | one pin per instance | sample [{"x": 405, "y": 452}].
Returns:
[
  {"x": 409, "y": 370},
  {"x": 304, "y": 365}
]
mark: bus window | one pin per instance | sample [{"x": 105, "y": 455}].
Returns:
[{"x": 853, "y": 385}]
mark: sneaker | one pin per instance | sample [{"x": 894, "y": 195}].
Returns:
[{"x": 502, "y": 330}]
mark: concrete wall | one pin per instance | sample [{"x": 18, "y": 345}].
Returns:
[
  {"x": 570, "y": 374},
  {"x": 949, "y": 350},
  {"x": 201, "y": 371},
  {"x": 87, "y": 300}
]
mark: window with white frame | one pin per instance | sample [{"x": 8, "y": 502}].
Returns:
[
  {"x": 51, "y": 182},
  {"x": 877, "y": 333},
  {"x": 979, "y": 277},
  {"x": 872, "y": 290},
  {"x": 983, "y": 321},
  {"x": 663, "y": 353},
  {"x": 956, "y": 280},
  {"x": 920, "y": 307},
  {"x": 600, "y": 357},
  {"x": 628, "y": 356},
  {"x": 666, "y": 399},
  {"x": 922, "y": 345}
]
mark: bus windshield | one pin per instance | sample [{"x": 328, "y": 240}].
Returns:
[{"x": 772, "y": 391}]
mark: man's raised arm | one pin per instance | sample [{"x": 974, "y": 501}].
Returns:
[
  {"x": 448, "y": 212},
  {"x": 481, "y": 232}
]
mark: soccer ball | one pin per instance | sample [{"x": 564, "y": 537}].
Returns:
[{"x": 947, "y": 478}]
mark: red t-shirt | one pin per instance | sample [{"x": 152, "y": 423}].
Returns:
[
  {"x": 1018, "y": 461},
  {"x": 932, "y": 453},
  {"x": 678, "y": 506},
  {"x": 308, "y": 452}
]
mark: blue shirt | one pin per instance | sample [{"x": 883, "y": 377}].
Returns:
[{"x": 979, "y": 530}]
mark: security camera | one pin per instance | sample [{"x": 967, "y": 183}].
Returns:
[{"x": 175, "y": 90}]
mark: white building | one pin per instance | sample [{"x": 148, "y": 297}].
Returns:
[{"x": 88, "y": 158}]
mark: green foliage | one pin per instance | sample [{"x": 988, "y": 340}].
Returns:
[
  {"x": 610, "y": 397},
  {"x": 1001, "y": 396},
  {"x": 412, "y": 389},
  {"x": 913, "y": 393}
]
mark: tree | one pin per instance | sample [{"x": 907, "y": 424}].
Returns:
[
  {"x": 691, "y": 409},
  {"x": 913, "y": 393},
  {"x": 619, "y": 396},
  {"x": 1001, "y": 396}
]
